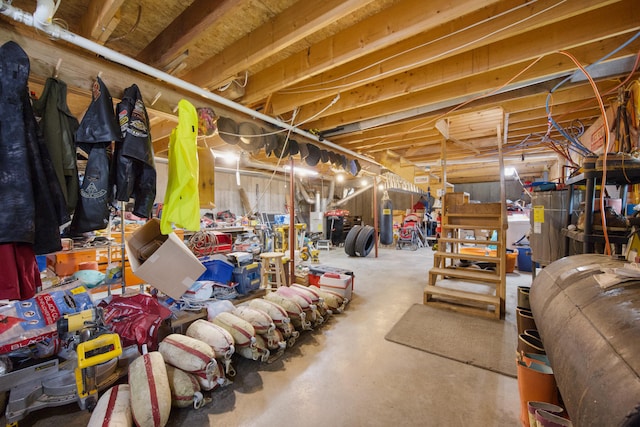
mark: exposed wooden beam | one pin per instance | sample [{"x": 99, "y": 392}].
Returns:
[
  {"x": 443, "y": 127},
  {"x": 477, "y": 85},
  {"x": 79, "y": 70},
  {"x": 461, "y": 33},
  {"x": 289, "y": 27},
  {"x": 524, "y": 100},
  {"x": 184, "y": 30},
  {"x": 558, "y": 110},
  {"x": 567, "y": 120},
  {"x": 586, "y": 43},
  {"x": 163, "y": 129},
  {"x": 397, "y": 141},
  {"x": 100, "y": 20},
  {"x": 396, "y": 23},
  {"x": 394, "y": 99},
  {"x": 433, "y": 148}
]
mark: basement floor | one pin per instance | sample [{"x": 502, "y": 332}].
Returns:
[{"x": 346, "y": 373}]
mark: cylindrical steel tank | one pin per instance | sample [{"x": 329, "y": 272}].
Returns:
[
  {"x": 547, "y": 219},
  {"x": 592, "y": 338}
]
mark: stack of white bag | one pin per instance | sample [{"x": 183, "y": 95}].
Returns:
[
  {"x": 113, "y": 408},
  {"x": 173, "y": 375},
  {"x": 185, "y": 364},
  {"x": 218, "y": 338},
  {"x": 248, "y": 345},
  {"x": 316, "y": 299},
  {"x": 294, "y": 310},
  {"x": 146, "y": 400},
  {"x": 305, "y": 302},
  {"x": 279, "y": 317},
  {"x": 195, "y": 357},
  {"x": 334, "y": 301},
  {"x": 264, "y": 326}
]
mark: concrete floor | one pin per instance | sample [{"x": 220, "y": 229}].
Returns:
[{"x": 347, "y": 374}]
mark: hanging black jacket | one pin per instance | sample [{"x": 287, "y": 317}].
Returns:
[
  {"x": 33, "y": 207},
  {"x": 95, "y": 133},
  {"x": 58, "y": 127},
  {"x": 135, "y": 172}
]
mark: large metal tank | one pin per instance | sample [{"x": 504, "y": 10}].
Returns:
[
  {"x": 549, "y": 216},
  {"x": 592, "y": 338}
]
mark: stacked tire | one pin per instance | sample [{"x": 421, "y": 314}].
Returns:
[{"x": 359, "y": 241}]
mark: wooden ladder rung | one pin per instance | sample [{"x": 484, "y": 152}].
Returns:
[
  {"x": 468, "y": 257},
  {"x": 469, "y": 241},
  {"x": 463, "y": 301},
  {"x": 460, "y": 273},
  {"x": 464, "y": 305},
  {"x": 469, "y": 227},
  {"x": 462, "y": 295}
]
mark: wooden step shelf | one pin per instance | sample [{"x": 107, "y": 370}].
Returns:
[
  {"x": 466, "y": 227},
  {"x": 458, "y": 216},
  {"x": 467, "y": 274},
  {"x": 467, "y": 241},
  {"x": 463, "y": 301},
  {"x": 469, "y": 257}
]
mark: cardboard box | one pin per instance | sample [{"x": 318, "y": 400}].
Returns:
[
  {"x": 171, "y": 268},
  {"x": 336, "y": 282}
]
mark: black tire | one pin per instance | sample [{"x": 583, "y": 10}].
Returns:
[
  {"x": 365, "y": 241},
  {"x": 350, "y": 240}
]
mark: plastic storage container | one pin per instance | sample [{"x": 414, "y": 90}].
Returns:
[
  {"x": 524, "y": 258},
  {"x": 218, "y": 269},
  {"x": 336, "y": 282},
  {"x": 316, "y": 271},
  {"x": 247, "y": 277},
  {"x": 42, "y": 262}
]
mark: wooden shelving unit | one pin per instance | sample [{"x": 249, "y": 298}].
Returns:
[{"x": 459, "y": 218}]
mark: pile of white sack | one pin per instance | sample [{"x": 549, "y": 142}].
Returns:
[{"x": 187, "y": 365}]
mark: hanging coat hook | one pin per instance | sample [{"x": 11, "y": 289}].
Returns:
[
  {"x": 57, "y": 68},
  {"x": 155, "y": 98}
]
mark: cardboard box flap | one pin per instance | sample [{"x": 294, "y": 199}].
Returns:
[{"x": 171, "y": 267}]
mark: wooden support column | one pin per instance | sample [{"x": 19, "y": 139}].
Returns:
[
  {"x": 292, "y": 224},
  {"x": 502, "y": 246},
  {"x": 206, "y": 178},
  {"x": 375, "y": 213}
]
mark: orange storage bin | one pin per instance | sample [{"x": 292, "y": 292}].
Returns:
[
  {"x": 511, "y": 261},
  {"x": 511, "y": 257},
  {"x": 66, "y": 263}
]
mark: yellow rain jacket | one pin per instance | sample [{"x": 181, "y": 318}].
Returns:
[{"x": 181, "y": 201}]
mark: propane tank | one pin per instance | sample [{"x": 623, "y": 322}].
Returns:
[{"x": 386, "y": 220}]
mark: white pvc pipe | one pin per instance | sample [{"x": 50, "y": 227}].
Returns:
[{"x": 58, "y": 32}]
